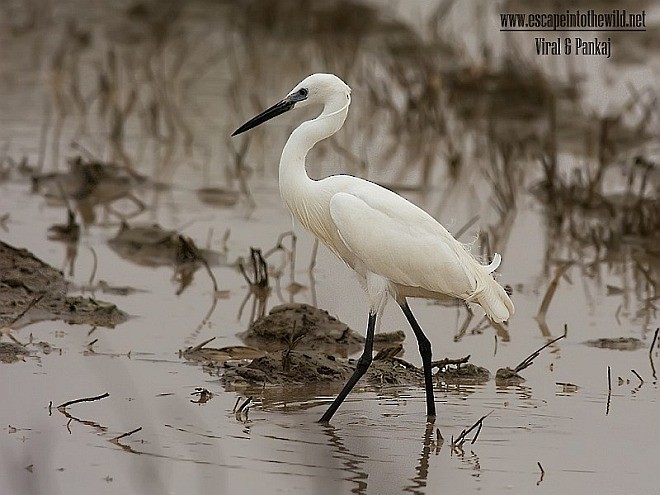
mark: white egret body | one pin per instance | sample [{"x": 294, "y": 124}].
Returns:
[{"x": 395, "y": 247}]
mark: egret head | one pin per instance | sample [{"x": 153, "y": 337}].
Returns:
[{"x": 326, "y": 89}]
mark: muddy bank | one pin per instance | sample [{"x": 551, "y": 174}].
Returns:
[
  {"x": 307, "y": 367},
  {"x": 11, "y": 352},
  {"x": 467, "y": 373},
  {"x": 31, "y": 290},
  {"x": 298, "y": 344},
  {"x": 308, "y": 328},
  {"x": 284, "y": 368}
]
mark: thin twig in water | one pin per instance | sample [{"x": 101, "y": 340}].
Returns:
[
  {"x": 525, "y": 363},
  {"x": 641, "y": 380},
  {"x": 199, "y": 346},
  {"x": 460, "y": 440},
  {"x": 233, "y": 411},
  {"x": 474, "y": 439},
  {"x": 126, "y": 434},
  {"x": 32, "y": 303},
  {"x": 542, "y": 473},
  {"x": 84, "y": 399},
  {"x": 609, "y": 390},
  {"x": 655, "y": 338}
]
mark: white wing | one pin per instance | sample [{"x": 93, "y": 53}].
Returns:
[{"x": 401, "y": 242}]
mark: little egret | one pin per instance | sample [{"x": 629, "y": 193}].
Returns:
[{"x": 396, "y": 248}]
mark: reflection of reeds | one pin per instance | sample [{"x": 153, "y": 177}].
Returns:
[
  {"x": 547, "y": 299},
  {"x": 259, "y": 286},
  {"x": 592, "y": 222},
  {"x": 138, "y": 81}
]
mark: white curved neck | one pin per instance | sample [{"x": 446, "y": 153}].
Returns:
[{"x": 292, "y": 172}]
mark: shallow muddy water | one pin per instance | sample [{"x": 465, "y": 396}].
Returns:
[{"x": 159, "y": 87}]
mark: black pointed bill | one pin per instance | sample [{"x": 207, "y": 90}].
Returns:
[{"x": 278, "y": 109}]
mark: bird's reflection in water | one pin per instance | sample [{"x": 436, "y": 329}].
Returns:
[
  {"x": 357, "y": 465},
  {"x": 418, "y": 482},
  {"x": 353, "y": 463}
]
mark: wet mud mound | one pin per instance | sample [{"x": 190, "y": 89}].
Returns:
[
  {"x": 301, "y": 344},
  {"x": 467, "y": 373},
  {"x": 298, "y": 344},
  {"x": 283, "y": 368},
  {"x": 27, "y": 283},
  {"x": 311, "y": 329},
  {"x": 309, "y": 367},
  {"x": 506, "y": 377},
  {"x": 11, "y": 353}
]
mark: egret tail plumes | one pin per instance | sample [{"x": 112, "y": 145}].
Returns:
[
  {"x": 483, "y": 288},
  {"x": 395, "y": 247},
  {"x": 491, "y": 296},
  {"x": 463, "y": 277}
]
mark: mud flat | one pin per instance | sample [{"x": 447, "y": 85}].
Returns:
[{"x": 31, "y": 291}]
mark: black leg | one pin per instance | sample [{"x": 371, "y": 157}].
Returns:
[
  {"x": 425, "y": 351},
  {"x": 361, "y": 368}
]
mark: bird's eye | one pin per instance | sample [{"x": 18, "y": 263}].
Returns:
[{"x": 303, "y": 92}]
